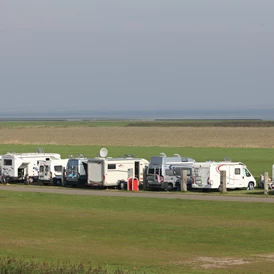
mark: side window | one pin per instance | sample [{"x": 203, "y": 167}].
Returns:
[
  {"x": 169, "y": 172},
  {"x": 237, "y": 171},
  {"x": 41, "y": 169},
  {"x": 7, "y": 162},
  {"x": 111, "y": 166}
]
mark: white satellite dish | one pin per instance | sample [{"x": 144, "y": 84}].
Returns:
[{"x": 103, "y": 152}]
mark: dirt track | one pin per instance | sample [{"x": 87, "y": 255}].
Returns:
[
  {"x": 167, "y": 195},
  {"x": 142, "y": 136}
]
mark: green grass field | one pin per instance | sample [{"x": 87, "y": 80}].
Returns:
[
  {"x": 258, "y": 160},
  {"x": 141, "y": 235},
  {"x": 138, "y": 123}
]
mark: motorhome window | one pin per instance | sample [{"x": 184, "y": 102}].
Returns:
[
  {"x": 7, "y": 162},
  {"x": 58, "y": 168},
  {"x": 169, "y": 172},
  {"x": 72, "y": 166},
  {"x": 46, "y": 168},
  {"x": 111, "y": 166},
  {"x": 152, "y": 178},
  {"x": 247, "y": 173},
  {"x": 178, "y": 170},
  {"x": 41, "y": 169},
  {"x": 237, "y": 171}
]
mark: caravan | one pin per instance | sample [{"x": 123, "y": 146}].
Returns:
[
  {"x": 18, "y": 167},
  {"x": 115, "y": 172},
  {"x": 206, "y": 175},
  {"x": 52, "y": 171},
  {"x": 164, "y": 171}
]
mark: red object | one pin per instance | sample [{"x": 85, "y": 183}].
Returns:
[{"x": 133, "y": 184}]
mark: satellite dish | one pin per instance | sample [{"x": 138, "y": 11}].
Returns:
[{"x": 103, "y": 152}]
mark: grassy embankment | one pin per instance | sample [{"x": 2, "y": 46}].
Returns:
[{"x": 142, "y": 235}]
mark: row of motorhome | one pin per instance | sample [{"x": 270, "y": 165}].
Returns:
[
  {"x": 161, "y": 172},
  {"x": 50, "y": 169},
  {"x": 165, "y": 173}
]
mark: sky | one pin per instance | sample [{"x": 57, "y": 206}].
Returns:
[{"x": 145, "y": 55}]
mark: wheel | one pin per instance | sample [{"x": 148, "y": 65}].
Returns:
[
  {"x": 122, "y": 185},
  {"x": 220, "y": 188},
  {"x": 251, "y": 186},
  {"x": 169, "y": 187},
  {"x": 58, "y": 182}
]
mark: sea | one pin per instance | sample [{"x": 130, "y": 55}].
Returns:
[{"x": 261, "y": 114}]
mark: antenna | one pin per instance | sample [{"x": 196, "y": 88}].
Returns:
[
  {"x": 40, "y": 150},
  {"x": 80, "y": 155},
  {"x": 227, "y": 159},
  {"x": 129, "y": 156},
  {"x": 177, "y": 155},
  {"x": 70, "y": 156},
  {"x": 163, "y": 154},
  {"x": 103, "y": 152}
]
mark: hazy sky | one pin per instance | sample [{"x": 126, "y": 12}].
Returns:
[{"x": 136, "y": 55}]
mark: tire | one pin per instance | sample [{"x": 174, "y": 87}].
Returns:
[
  {"x": 169, "y": 187},
  {"x": 122, "y": 185},
  {"x": 58, "y": 182},
  {"x": 220, "y": 188},
  {"x": 251, "y": 186}
]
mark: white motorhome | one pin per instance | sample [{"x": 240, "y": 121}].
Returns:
[
  {"x": 52, "y": 171},
  {"x": 76, "y": 171},
  {"x": 114, "y": 172},
  {"x": 206, "y": 175},
  {"x": 23, "y": 166},
  {"x": 164, "y": 171}
]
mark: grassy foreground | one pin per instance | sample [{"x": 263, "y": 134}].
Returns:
[{"x": 139, "y": 235}]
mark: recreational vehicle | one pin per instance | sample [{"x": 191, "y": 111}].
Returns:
[
  {"x": 206, "y": 175},
  {"x": 18, "y": 167},
  {"x": 164, "y": 171},
  {"x": 52, "y": 171},
  {"x": 76, "y": 172},
  {"x": 115, "y": 172}
]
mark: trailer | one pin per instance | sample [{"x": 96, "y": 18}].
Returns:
[
  {"x": 23, "y": 167},
  {"x": 206, "y": 175},
  {"x": 115, "y": 172},
  {"x": 76, "y": 171},
  {"x": 164, "y": 171},
  {"x": 51, "y": 172}
]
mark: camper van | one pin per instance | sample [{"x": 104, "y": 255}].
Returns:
[
  {"x": 18, "y": 167},
  {"x": 164, "y": 171},
  {"x": 76, "y": 172},
  {"x": 115, "y": 172},
  {"x": 206, "y": 175},
  {"x": 51, "y": 172}
]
